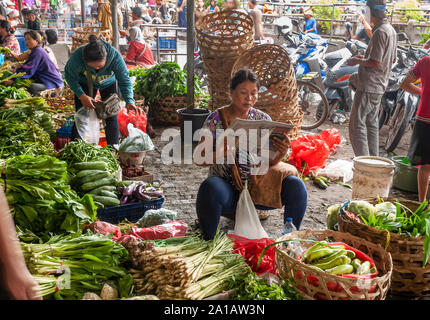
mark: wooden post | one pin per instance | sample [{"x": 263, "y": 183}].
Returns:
[
  {"x": 20, "y": 8},
  {"x": 190, "y": 53},
  {"x": 114, "y": 10},
  {"x": 83, "y": 13}
]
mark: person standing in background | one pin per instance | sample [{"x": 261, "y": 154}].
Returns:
[
  {"x": 371, "y": 81},
  {"x": 60, "y": 50},
  {"x": 310, "y": 22},
  {"x": 199, "y": 11},
  {"x": 419, "y": 148},
  {"x": 257, "y": 18},
  {"x": 366, "y": 32},
  {"x": 181, "y": 9},
  {"x": 105, "y": 17},
  {"x": 212, "y": 7}
]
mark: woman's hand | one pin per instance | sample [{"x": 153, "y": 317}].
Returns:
[
  {"x": 282, "y": 144},
  {"x": 87, "y": 102},
  {"x": 21, "y": 284}
]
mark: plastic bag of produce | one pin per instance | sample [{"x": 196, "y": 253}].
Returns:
[
  {"x": 387, "y": 209},
  {"x": 332, "y": 216},
  {"x": 361, "y": 208},
  {"x": 155, "y": 217},
  {"x": 163, "y": 231},
  {"x": 104, "y": 228},
  {"x": 251, "y": 249},
  {"x": 88, "y": 125},
  {"x": 137, "y": 141},
  {"x": 125, "y": 117}
]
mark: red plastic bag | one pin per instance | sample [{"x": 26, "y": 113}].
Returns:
[
  {"x": 104, "y": 228},
  {"x": 310, "y": 152},
  {"x": 251, "y": 249},
  {"x": 336, "y": 287},
  {"x": 162, "y": 231},
  {"x": 125, "y": 117}
]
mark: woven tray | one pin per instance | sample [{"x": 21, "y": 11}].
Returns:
[
  {"x": 341, "y": 288},
  {"x": 59, "y": 97},
  {"x": 80, "y": 35},
  {"x": 409, "y": 278}
]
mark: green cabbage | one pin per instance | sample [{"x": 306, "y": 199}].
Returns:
[
  {"x": 361, "y": 208},
  {"x": 332, "y": 215},
  {"x": 386, "y": 208}
]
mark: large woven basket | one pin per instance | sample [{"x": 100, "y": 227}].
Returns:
[
  {"x": 276, "y": 74},
  {"x": 332, "y": 287},
  {"x": 163, "y": 111},
  {"x": 409, "y": 277},
  {"x": 80, "y": 35},
  {"x": 222, "y": 36}
]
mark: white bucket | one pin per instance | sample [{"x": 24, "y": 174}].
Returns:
[{"x": 372, "y": 176}]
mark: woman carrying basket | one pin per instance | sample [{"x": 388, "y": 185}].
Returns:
[
  {"x": 218, "y": 195},
  {"x": 102, "y": 65}
]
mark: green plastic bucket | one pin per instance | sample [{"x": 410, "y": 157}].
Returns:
[{"x": 405, "y": 176}]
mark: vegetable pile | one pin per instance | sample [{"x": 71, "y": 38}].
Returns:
[
  {"x": 138, "y": 191},
  {"x": 6, "y": 73},
  {"x": 396, "y": 218},
  {"x": 68, "y": 267},
  {"x": 11, "y": 93},
  {"x": 81, "y": 151},
  {"x": 185, "y": 267},
  {"x": 166, "y": 79},
  {"x": 335, "y": 259},
  {"x": 94, "y": 178},
  {"x": 41, "y": 199}
]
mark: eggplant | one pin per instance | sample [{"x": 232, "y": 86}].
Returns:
[
  {"x": 129, "y": 190},
  {"x": 124, "y": 199},
  {"x": 143, "y": 196},
  {"x": 156, "y": 194}
]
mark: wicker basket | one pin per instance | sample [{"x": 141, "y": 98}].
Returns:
[
  {"x": 275, "y": 71},
  {"x": 80, "y": 35},
  {"x": 163, "y": 111},
  {"x": 331, "y": 287},
  {"x": 222, "y": 37},
  {"x": 409, "y": 277},
  {"x": 58, "y": 98}
]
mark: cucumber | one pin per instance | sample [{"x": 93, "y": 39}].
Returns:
[
  {"x": 124, "y": 183},
  {"x": 107, "y": 201},
  {"x": 99, "y": 204},
  {"x": 85, "y": 173},
  {"x": 95, "y": 184},
  {"x": 107, "y": 193},
  {"x": 93, "y": 165},
  {"x": 106, "y": 188},
  {"x": 95, "y": 177}
]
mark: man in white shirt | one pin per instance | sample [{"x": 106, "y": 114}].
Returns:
[{"x": 61, "y": 50}]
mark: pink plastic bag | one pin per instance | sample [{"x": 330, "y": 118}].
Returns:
[
  {"x": 162, "y": 231},
  {"x": 125, "y": 117}
]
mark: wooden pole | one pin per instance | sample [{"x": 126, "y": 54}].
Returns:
[
  {"x": 114, "y": 10},
  {"x": 83, "y": 13},
  {"x": 190, "y": 53}
]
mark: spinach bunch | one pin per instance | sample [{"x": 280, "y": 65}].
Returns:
[
  {"x": 413, "y": 223},
  {"x": 163, "y": 80},
  {"x": 41, "y": 199},
  {"x": 252, "y": 287},
  {"x": 11, "y": 93}
]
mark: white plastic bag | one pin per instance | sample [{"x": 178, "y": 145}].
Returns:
[
  {"x": 88, "y": 125},
  {"x": 137, "y": 141},
  {"x": 247, "y": 223},
  {"x": 339, "y": 170}
]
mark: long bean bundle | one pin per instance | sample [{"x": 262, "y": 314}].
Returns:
[{"x": 185, "y": 267}]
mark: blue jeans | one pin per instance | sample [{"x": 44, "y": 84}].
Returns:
[
  {"x": 216, "y": 197},
  {"x": 112, "y": 126}
]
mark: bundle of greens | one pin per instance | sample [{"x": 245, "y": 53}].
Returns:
[
  {"x": 67, "y": 267},
  {"x": 398, "y": 218},
  {"x": 81, "y": 151},
  {"x": 7, "y": 73},
  {"x": 29, "y": 108},
  {"x": 185, "y": 267},
  {"x": 41, "y": 199},
  {"x": 166, "y": 79},
  {"x": 252, "y": 287},
  {"x": 23, "y": 137},
  {"x": 11, "y": 93}
]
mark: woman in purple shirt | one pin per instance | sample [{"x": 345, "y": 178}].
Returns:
[{"x": 38, "y": 66}]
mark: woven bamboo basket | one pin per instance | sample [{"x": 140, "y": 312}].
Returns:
[
  {"x": 296, "y": 121},
  {"x": 222, "y": 37},
  {"x": 163, "y": 111},
  {"x": 272, "y": 64},
  {"x": 316, "y": 284},
  {"x": 80, "y": 35},
  {"x": 409, "y": 277},
  {"x": 59, "y": 97}
]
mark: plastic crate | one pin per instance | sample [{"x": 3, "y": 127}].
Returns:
[
  {"x": 66, "y": 130},
  {"x": 167, "y": 42},
  {"x": 132, "y": 211},
  {"x": 21, "y": 41}
]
